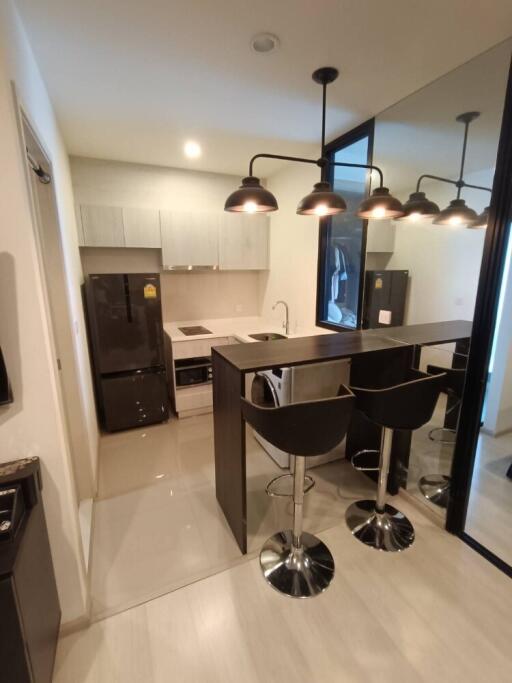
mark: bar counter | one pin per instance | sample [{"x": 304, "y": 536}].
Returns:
[{"x": 378, "y": 356}]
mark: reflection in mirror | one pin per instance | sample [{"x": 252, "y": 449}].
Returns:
[
  {"x": 489, "y": 515},
  {"x": 420, "y": 271}
]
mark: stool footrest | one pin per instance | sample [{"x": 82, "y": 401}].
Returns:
[
  {"x": 444, "y": 435},
  {"x": 366, "y": 460},
  {"x": 272, "y": 490}
]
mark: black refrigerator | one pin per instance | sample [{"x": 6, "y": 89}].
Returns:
[
  {"x": 385, "y": 294},
  {"x": 124, "y": 317}
]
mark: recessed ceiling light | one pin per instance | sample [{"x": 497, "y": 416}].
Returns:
[
  {"x": 263, "y": 43},
  {"x": 192, "y": 149}
]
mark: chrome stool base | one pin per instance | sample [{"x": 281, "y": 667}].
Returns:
[
  {"x": 298, "y": 572},
  {"x": 436, "y": 489},
  {"x": 390, "y": 530},
  {"x": 272, "y": 488},
  {"x": 443, "y": 435}
]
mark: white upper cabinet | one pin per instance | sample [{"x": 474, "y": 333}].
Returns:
[
  {"x": 141, "y": 228},
  {"x": 243, "y": 241},
  {"x": 189, "y": 239},
  {"x": 102, "y": 226}
]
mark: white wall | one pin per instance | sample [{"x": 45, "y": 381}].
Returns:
[
  {"x": 34, "y": 423},
  {"x": 185, "y": 296},
  {"x": 293, "y": 249}
]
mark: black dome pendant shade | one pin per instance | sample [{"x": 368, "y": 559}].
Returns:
[
  {"x": 380, "y": 205},
  {"x": 481, "y": 220},
  {"x": 251, "y": 197},
  {"x": 418, "y": 206},
  {"x": 456, "y": 213},
  {"x": 322, "y": 201}
]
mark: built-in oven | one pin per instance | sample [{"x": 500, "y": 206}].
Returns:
[{"x": 191, "y": 371}]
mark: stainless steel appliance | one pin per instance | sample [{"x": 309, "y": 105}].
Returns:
[
  {"x": 190, "y": 371},
  {"x": 125, "y": 328}
]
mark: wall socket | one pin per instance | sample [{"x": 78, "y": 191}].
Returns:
[{"x": 239, "y": 308}]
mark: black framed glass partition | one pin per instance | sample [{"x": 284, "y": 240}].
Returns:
[
  {"x": 342, "y": 238},
  {"x": 480, "y": 509}
]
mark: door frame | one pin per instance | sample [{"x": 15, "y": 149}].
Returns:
[{"x": 86, "y": 488}]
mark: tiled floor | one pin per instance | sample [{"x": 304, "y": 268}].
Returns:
[
  {"x": 436, "y": 612},
  {"x": 157, "y": 524}
]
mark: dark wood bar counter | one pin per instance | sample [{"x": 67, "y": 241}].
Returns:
[{"x": 377, "y": 357}]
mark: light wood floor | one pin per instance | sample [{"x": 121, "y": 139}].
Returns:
[{"x": 437, "y": 612}]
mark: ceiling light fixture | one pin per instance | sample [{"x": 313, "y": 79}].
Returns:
[
  {"x": 192, "y": 149},
  {"x": 456, "y": 213},
  {"x": 251, "y": 197},
  {"x": 263, "y": 43}
]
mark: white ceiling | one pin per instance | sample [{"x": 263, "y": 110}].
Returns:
[{"x": 132, "y": 80}]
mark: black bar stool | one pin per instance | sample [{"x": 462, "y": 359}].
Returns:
[
  {"x": 436, "y": 487},
  {"x": 295, "y": 562},
  {"x": 408, "y": 405}
]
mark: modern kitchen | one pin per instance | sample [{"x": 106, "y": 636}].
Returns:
[{"x": 283, "y": 374}]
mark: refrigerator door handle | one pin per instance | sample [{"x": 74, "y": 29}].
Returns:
[{"x": 129, "y": 317}]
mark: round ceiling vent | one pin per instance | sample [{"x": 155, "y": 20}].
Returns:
[{"x": 263, "y": 43}]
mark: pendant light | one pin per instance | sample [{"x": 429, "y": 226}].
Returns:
[
  {"x": 418, "y": 207},
  {"x": 481, "y": 220},
  {"x": 457, "y": 213},
  {"x": 251, "y": 197},
  {"x": 322, "y": 201},
  {"x": 380, "y": 205}
]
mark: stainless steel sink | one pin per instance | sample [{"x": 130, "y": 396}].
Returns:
[{"x": 267, "y": 336}]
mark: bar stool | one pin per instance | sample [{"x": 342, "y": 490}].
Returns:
[
  {"x": 408, "y": 405},
  {"x": 436, "y": 487},
  {"x": 295, "y": 562}
]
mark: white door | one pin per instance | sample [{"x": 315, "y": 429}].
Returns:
[{"x": 50, "y": 247}]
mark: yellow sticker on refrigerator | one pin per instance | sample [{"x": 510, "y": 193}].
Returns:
[{"x": 149, "y": 291}]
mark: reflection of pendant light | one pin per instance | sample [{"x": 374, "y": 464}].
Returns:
[
  {"x": 419, "y": 207},
  {"x": 251, "y": 197},
  {"x": 456, "y": 213},
  {"x": 481, "y": 220}
]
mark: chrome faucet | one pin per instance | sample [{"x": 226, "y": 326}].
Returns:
[{"x": 286, "y": 323}]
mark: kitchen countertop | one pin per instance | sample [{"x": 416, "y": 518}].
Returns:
[
  {"x": 239, "y": 328},
  {"x": 333, "y": 346}
]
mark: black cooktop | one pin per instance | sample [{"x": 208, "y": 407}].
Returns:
[{"x": 194, "y": 329}]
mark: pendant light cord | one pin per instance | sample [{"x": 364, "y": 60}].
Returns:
[{"x": 460, "y": 182}]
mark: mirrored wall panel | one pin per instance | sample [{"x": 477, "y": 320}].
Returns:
[
  {"x": 437, "y": 149},
  {"x": 489, "y": 514}
]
